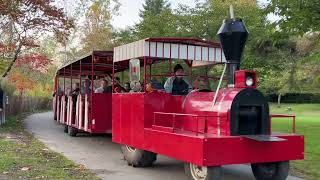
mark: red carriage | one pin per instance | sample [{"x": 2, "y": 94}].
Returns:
[{"x": 204, "y": 128}]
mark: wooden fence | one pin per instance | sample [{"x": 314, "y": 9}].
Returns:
[{"x": 15, "y": 105}]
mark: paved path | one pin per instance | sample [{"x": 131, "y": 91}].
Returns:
[{"x": 103, "y": 157}]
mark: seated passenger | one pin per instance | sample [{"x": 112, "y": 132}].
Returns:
[
  {"x": 68, "y": 91},
  {"x": 76, "y": 90},
  {"x": 176, "y": 85},
  {"x": 86, "y": 89},
  {"x": 127, "y": 87},
  {"x": 117, "y": 87},
  {"x": 135, "y": 87},
  {"x": 104, "y": 88},
  {"x": 149, "y": 88}
]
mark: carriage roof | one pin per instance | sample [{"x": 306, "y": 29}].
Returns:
[
  {"x": 171, "y": 48},
  {"x": 103, "y": 64}
]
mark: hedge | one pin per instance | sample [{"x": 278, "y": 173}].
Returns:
[{"x": 295, "y": 98}]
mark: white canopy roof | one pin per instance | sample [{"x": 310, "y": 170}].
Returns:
[{"x": 175, "y": 48}]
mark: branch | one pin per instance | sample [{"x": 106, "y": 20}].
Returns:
[{"x": 13, "y": 61}]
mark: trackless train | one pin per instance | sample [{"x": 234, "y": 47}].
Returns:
[{"x": 206, "y": 129}]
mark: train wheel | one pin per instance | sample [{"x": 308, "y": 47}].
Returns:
[
  {"x": 271, "y": 171},
  {"x": 72, "y": 131},
  {"x": 138, "y": 157},
  {"x": 195, "y": 172},
  {"x": 65, "y": 129}
]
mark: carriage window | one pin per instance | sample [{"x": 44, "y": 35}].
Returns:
[
  {"x": 66, "y": 85},
  {"x": 207, "y": 77},
  {"x": 160, "y": 71},
  {"x": 60, "y": 89}
]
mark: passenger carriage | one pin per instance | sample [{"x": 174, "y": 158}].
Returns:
[
  {"x": 87, "y": 112},
  {"x": 207, "y": 128}
]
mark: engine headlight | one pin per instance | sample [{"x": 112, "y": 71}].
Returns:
[{"x": 249, "y": 81}]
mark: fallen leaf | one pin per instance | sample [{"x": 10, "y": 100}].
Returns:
[{"x": 25, "y": 169}]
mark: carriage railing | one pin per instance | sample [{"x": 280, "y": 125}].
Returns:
[
  {"x": 284, "y": 116},
  {"x": 174, "y": 119}
]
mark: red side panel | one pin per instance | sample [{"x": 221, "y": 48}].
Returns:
[
  {"x": 162, "y": 102},
  {"x": 116, "y": 118},
  {"x": 239, "y": 150},
  {"x": 54, "y": 106},
  {"x": 101, "y": 113},
  {"x": 186, "y": 147},
  {"x": 128, "y": 119},
  {"x": 222, "y": 150},
  {"x": 132, "y": 112}
]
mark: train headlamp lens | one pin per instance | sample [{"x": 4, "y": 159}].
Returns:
[{"x": 249, "y": 81}]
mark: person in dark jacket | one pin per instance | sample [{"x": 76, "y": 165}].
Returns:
[{"x": 177, "y": 85}]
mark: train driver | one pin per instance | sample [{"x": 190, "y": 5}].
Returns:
[{"x": 177, "y": 85}]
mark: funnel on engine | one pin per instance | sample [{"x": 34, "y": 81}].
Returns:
[{"x": 233, "y": 35}]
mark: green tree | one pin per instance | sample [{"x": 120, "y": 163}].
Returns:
[
  {"x": 157, "y": 20},
  {"x": 296, "y": 16},
  {"x": 154, "y": 7}
]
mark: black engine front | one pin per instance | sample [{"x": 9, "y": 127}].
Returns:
[{"x": 249, "y": 113}]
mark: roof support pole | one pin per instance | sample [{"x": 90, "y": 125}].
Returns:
[
  {"x": 71, "y": 78},
  {"x": 170, "y": 61},
  {"x": 80, "y": 76},
  {"x": 64, "y": 80}
]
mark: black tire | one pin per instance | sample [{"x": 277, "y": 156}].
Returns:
[
  {"x": 271, "y": 171},
  {"x": 72, "y": 131},
  {"x": 65, "y": 129},
  {"x": 212, "y": 173},
  {"x": 137, "y": 157}
]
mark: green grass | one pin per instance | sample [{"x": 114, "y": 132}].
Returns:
[
  {"x": 307, "y": 124},
  {"x": 19, "y": 150}
]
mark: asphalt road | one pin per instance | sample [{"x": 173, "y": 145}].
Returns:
[{"x": 104, "y": 158}]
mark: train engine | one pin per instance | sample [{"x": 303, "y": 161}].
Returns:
[{"x": 205, "y": 129}]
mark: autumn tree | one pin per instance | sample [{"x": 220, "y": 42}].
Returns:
[
  {"x": 97, "y": 29},
  {"x": 23, "y": 22}
]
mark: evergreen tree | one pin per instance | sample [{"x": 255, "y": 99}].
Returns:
[
  {"x": 157, "y": 20},
  {"x": 154, "y": 7}
]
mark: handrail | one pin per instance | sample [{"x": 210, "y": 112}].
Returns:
[
  {"x": 285, "y": 116},
  {"x": 181, "y": 114},
  {"x": 218, "y": 87}
]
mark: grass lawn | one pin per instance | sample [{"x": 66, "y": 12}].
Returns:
[
  {"x": 308, "y": 124},
  {"x": 24, "y": 157}
]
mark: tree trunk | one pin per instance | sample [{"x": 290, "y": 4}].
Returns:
[
  {"x": 13, "y": 61},
  {"x": 279, "y": 100}
]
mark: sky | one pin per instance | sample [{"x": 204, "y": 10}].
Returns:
[{"x": 129, "y": 11}]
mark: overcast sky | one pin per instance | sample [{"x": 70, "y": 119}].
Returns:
[{"x": 129, "y": 11}]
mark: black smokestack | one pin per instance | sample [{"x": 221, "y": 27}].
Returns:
[{"x": 233, "y": 35}]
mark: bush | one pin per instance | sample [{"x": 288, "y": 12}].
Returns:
[{"x": 295, "y": 98}]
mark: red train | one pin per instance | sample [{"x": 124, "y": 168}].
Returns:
[{"x": 204, "y": 128}]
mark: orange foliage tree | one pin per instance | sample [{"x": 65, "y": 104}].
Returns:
[
  {"x": 22, "y": 22},
  {"x": 21, "y": 82}
]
